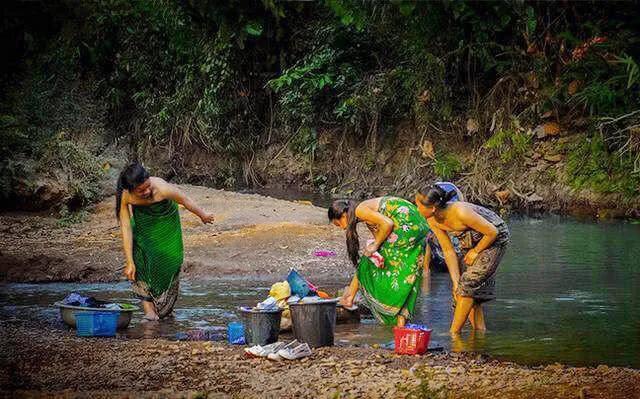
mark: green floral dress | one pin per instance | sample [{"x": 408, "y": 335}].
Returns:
[{"x": 392, "y": 290}]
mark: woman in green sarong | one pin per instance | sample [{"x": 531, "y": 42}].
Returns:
[
  {"x": 147, "y": 208},
  {"x": 390, "y": 289}
]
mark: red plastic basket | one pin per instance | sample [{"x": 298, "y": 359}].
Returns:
[{"x": 410, "y": 341}]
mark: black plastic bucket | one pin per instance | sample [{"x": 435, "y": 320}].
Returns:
[
  {"x": 261, "y": 327},
  {"x": 314, "y": 323}
]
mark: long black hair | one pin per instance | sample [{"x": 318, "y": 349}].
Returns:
[
  {"x": 131, "y": 176},
  {"x": 336, "y": 210},
  {"x": 436, "y": 196}
]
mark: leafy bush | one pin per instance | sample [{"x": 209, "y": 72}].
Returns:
[
  {"x": 230, "y": 77},
  {"x": 510, "y": 144},
  {"x": 446, "y": 166},
  {"x": 591, "y": 165}
]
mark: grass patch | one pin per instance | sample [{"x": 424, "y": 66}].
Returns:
[
  {"x": 510, "y": 144},
  {"x": 591, "y": 165},
  {"x": 446, "y": 166}
]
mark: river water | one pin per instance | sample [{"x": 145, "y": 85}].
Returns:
[{"x": 568, "y": 291}]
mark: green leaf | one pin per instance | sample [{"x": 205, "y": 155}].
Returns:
[
  {"x": 532, "y": 23},
  {"x": 253, "y": 28},
  {"x": 347, "y": 19},
  {"x": 406, "y": 8},
  {"x": 504, "y": 20}
]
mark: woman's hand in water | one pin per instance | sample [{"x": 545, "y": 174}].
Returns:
[
  {"x": 207, "y": 218},
  {"x": 470, "y": 257},
  {"x": 130, "y": 271}
]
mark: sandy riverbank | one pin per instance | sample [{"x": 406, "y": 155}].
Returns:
[
  {"x": 255, "y": 237},
  {"x": 41, "y": 362}
]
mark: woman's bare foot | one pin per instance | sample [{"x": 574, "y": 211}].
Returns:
[
  {"x": 150, "y": 318},
  {"x": 347, "y": 301},
  {"x": 150, "y": 313}
]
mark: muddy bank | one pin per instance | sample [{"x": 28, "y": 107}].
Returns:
[
  {"x": 40, "y": 361},
  {"x": 253, "y": 236}
]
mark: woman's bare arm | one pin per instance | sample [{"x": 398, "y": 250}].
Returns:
[
  {"x": 426, "y": 260},
  {"x": 476, "y": 222},
  {"x": 450, "y": 256},
  {"x": 426, "y": 275},
  {"x": 171, "y": 191},
  {"x": 350, "y": 294},
  {"x": 384, "y": 226},
  {"x": 127, "y": 238}
]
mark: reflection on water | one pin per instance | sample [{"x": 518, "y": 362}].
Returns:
[{"x": 568, "y": 292}]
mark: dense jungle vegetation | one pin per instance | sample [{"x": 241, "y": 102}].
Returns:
[{"x": 477, "y": 92}]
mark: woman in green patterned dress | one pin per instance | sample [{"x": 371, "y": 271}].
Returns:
[
  {"x": 147, "y": 208},
  {"x": 390, "y": 290}
]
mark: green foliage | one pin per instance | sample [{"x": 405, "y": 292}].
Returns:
[
  {"x": 306, "y": 142},
  {"x": 39, "y": 136},
  {"x": 591, "y": 165},
  {"x": 223, "y": 75},
  {"x": 611, "y": 83},
  {"x": 510, "y": 144},
  {"x": 304, "y": 87},
  {"x": 446, "y": 166},
  {"x": 81, "y": 169},
  {"x": 350, "y": 12},
  {"x": 67, "y": 218}
]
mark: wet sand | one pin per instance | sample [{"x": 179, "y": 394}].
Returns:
[{"x": 259, "y": 238}]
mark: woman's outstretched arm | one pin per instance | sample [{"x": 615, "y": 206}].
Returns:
[{"x": 171, "y": 191}]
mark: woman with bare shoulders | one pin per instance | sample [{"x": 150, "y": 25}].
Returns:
[
  {"x": 147, "y": 208},
  {"x": 389, "y": 285},
  {"x": 483, "y": 238}
]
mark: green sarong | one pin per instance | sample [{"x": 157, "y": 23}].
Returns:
[
  {"x": 157, "y": 252},
  {"x": 393, "y": 290}
]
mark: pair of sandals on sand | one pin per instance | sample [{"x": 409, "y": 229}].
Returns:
[{"x": 280, "y": 351}]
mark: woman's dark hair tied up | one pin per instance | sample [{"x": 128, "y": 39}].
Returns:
[
  {"x": 131, "y": 176},
  {"x": 436, "y": 196}
]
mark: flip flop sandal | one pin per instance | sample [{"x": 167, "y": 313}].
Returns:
[
  {"x": 298, "y": 352},
  {"x": 276, "y": 354}
]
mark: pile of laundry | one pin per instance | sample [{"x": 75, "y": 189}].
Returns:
[
  {"x": 295, "y": 289},
  {"x": 75, "y": 299}
]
